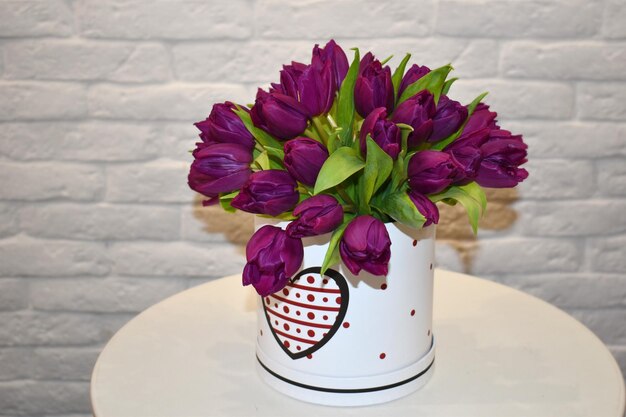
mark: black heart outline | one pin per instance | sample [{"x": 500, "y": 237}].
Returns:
[{"x": 343, "y": 308}]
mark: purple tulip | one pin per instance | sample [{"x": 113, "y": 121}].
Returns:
[
  {"x": 417, "y": 112},
  {"x": 430, "y": 172},
  {"x": 219, "y": 168},
  {"x": 413, "y": 74},
  {"x": 312, "y": 85},
  {"x": 304, "y": 158},
  {"x": 373, "y": 88},
  {"x": 269, "y": 192},
  {"x": 316, "y": 215},
  {"x": 224, "y": 126},
  {"x": 481, "y": 119},
  {"x": 448, "y": 119},
  {"x": 336, "y": 56},
  {"x": 384, "y": 132},
  {"x": 279, "y": 115},
  {"x": 428, "y": 209},
  {"x": 502, "y": 155},
  {"x": 272, "y": 258},
  {"x": 365, "y": 244},
  {"x": 468, "y": 158}
]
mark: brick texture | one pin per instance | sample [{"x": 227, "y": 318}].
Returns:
[{"x": 97, "y": 101}]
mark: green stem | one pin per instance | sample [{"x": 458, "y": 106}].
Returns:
[
  {"x": 319, "y": 127},
  {"x": 345, "y": 196},
  {"x": 310, "y": 133}
]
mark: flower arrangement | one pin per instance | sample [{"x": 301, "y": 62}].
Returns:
[{"x": 342, "y": 148}]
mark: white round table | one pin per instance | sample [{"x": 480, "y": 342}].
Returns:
[{"x": 500, "y": 353}]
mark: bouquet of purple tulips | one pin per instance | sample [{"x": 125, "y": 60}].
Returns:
[{"x": 344, "y": 148}]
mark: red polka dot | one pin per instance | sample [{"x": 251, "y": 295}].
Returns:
[
  {"x": 310, "y": 297},
  {"x": 297, "y": 295},
  {"x": 415, "y": 243},
  {"x": 383, "y": 287},
  {"x": 276, "y": 321},
  {"x": 297, "y": 312},
  {"x": 338, "y": 300},
  {"x": 298, "y": 330},
  {"x": 346, "y": 324},
  {"x": 325, "y": 299},
  {"x": 324, "y": 335},
  {"x": 413, "y": 312},
  {"x": 325, "y": 281},
  {"x": 276, "y": 305},
  {"x": 286, "y": 326},
  {"x": 286, "y": 309},
  {"x": 382, "y": 355},
  {"x": 285, "y": 291},
  {"x": 325, "y": 317},
  {"x": 298, "y": 348},
  {"x": 286, "y": 343},
  {"x": 311, "y": 315},
  {"x": 309, "y": 356},
  {"x": 311, "y": 333},
  {"x": 310, "y": 279},
  {"x": 267, "y": 300}
]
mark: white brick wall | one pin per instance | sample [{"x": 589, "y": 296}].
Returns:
[{"x": 97, "y": 98}]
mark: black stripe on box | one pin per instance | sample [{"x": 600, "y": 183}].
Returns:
[{"x": 346, "y": 391}]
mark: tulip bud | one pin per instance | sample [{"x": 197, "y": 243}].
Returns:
[
  {"x": 384, "y": 132},
  {"x": 481, "y": 118},
  {"x": 312, "y": 85},
  {"x": 417, "y": 112},
  {"x": 279, "y": 115},
  {"x": 502, "y": 155},
  {"x": 448, "y": 119},
  {"x": 430, "y": 172},
  {"x": 373, "y": 88},
  {"x": 468, "y": 158},
  {"x": 316, "y": 215},
  {"x": 304, "y": 158},
  {"x": 428, "y": 209},
  {"x": 224, "y": 126},
  {"x": 219, "y": 168},
  {"x": 336, "y": 56},
  {"x": 272, "y": 258},
  {"x": 270, "y": 192},
  {"x": 413, "y": 74},
  {"x": 365, "y": 244}
]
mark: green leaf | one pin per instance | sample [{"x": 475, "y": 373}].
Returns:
[
  {"x": 399, "y": 206},
  {"x": 384, "y": 61},
  {"x": 263, "y": 161},
  {"x": 405, "y": 131},
  {"x": 340, "y": 165},
  {"x": 433, "y": 82},
  {"x": 378, "y": 166},
  {"x": 264, "y": 138},
  {"x": 447, "y": 85},
  {"x": 477, "y": 193},
  {"x": 332, "y": 256},
  {"x": 396, "y": 78},
  {"x": 225, "y": 200},
  {"x": 470, "y": 110},
  {"x": 471, "y": 196},
  {"x": 345, "y": 106}
]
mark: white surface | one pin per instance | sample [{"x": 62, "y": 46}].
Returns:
[
  {"x": 377, "y": 313},
  {"x": 500, "y": 353}
]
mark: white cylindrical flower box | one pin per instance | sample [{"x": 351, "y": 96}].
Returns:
[{"x": 347, "y": 340}]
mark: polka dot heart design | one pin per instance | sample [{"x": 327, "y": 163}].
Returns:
[{"x": 307, "y": 313}]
